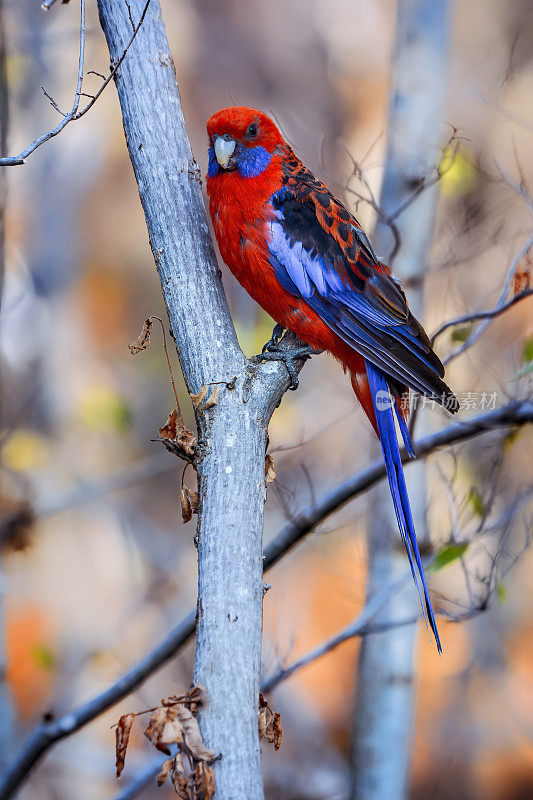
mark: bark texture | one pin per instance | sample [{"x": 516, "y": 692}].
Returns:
[{"x": 232, "y": 433}]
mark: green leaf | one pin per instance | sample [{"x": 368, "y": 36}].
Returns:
[
  {"x": 476, "y": 501},
  {"x": 447, "y": 555},
  {"x": 461, "y": 334},
  {"x": 501, "y": 593},
  {"x": 44, "y": 657},
  {"x": 527, "y": 353}
]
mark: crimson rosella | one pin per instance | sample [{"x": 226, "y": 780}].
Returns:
[{"x": 304, "y": 258}]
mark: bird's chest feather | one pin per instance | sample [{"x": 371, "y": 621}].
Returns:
[{"x": 241, "y": 221}]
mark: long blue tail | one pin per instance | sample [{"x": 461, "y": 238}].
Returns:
[{"x": 383, "y": 403}]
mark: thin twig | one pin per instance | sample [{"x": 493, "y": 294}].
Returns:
[
  {"x": 53, "y": 102},
  {"x": 141, "y": 470},
  {"x": 487, "y": 318},
  {"x": 304, "y": 521},
  {"x": 490, "y": 313},
  {"x": 10, "y": 161},
  {"x": 427, "y": 183},
  {"x": 360, "y": 626},
  {"x": 74, "y": 113},
  {"x": 182, "y": 425}
]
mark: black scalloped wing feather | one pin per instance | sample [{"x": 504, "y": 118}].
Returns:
[{"x": 320, "y": 252}]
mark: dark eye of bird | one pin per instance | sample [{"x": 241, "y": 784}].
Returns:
[{"x": 252, "y": 131}]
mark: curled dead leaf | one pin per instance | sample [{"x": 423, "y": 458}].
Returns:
[
  {"x": 169, "y": 429},
  {"x": 143, "y": 339},
  {"x": 181, "y": 785},
  {"x": 156, "y": 726},
  {"x": 270, "y": 470},
  {"x": 176, "y": 725},
  {"x": 176, "y": 437},
  {"x": 212, "y": 400},
  {"x": 173, "y": 723},
  {"x": 269, "y": 724},
  {"x": 522, "y": 278},
  {"x": 188, "y": 503},
  {"x": 166, "y": 768},
  {"x": 197, "y": 698},
  {"x": 204, "y": 779},
  {"x": 122, "y": 734},
  {"x": 198, "y": 398}
]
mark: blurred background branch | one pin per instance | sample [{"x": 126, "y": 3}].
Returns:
[
  {"x": 302, "y": 523},
  {"x": 385, "y": 698},
  {"x": 75, "y": 113}
]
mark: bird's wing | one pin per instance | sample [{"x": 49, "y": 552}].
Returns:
[{"x": 320, "y": 253}]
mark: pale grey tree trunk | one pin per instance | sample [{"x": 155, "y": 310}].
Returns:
[
  {"x": 384, "y": 707},
  {"x": 232, "y": 434}
]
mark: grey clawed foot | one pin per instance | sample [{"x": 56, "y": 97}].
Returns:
[
  {"x": 289, "y": 357},
  {"x": 274, "y": 340}
]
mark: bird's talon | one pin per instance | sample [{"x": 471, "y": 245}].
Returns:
[
  {"x": 288, "y": 357},
  {"x": 274, "y": 340}
]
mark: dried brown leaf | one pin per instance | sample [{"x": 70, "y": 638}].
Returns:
[
  {"x": 270, "y": 470},
  {"x": 262, "y": 723},
  {"x": 122, "y": 734},
  {"x": 154, "y": 729},
  {"x": 181, "y": 786},
  {"x": 169, "y": 429},
  {"x": 176, "y": 437},
  {"x": 198, "y": 398},
  {"x": 166, "y": 768},
  {"x": 197, "y": 698},
  {"x": 186, "y": 505},
  {"x": 523, "y": 276},
  {"x": 143, "y": 340},
  {"x": 204, "y": 779},
  {"x": 189, "y": 503},
  {"x": 173, "y": 723},
  {"x": 269, "y": 724},
  {"x": 212, "y": 400},
  {"x": 192, "y": 738},
  {"x": 176, "y": 725},
  {"x": 277, "y": 731}
]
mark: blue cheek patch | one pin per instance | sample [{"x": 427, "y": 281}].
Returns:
[
  {"x": 253, "y": 161},
  {"x": 214, "y": 166}
]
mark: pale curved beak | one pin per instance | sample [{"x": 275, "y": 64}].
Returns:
[{"x": 224, "y": 149}]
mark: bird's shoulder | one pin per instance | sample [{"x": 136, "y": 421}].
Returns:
[
  {"x": 307, "y": 203},
  {"x": 309, "y": 213}
]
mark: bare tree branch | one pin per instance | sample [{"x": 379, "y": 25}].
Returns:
[
  {"x": 86, "y": 492},
  {"x": 303, "y": 522},
  {"x": 362, "y": 625},
  {"x": 74, "y": 113},
  {"x": 385, "y": 679},
  {"x": 490, "y": 313},
  {"x": 10, "y": 161},
  {"x": 143, "y": 778},
  {"x": 232, "y": 432},
  {"x": 500, "y": 306}
]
